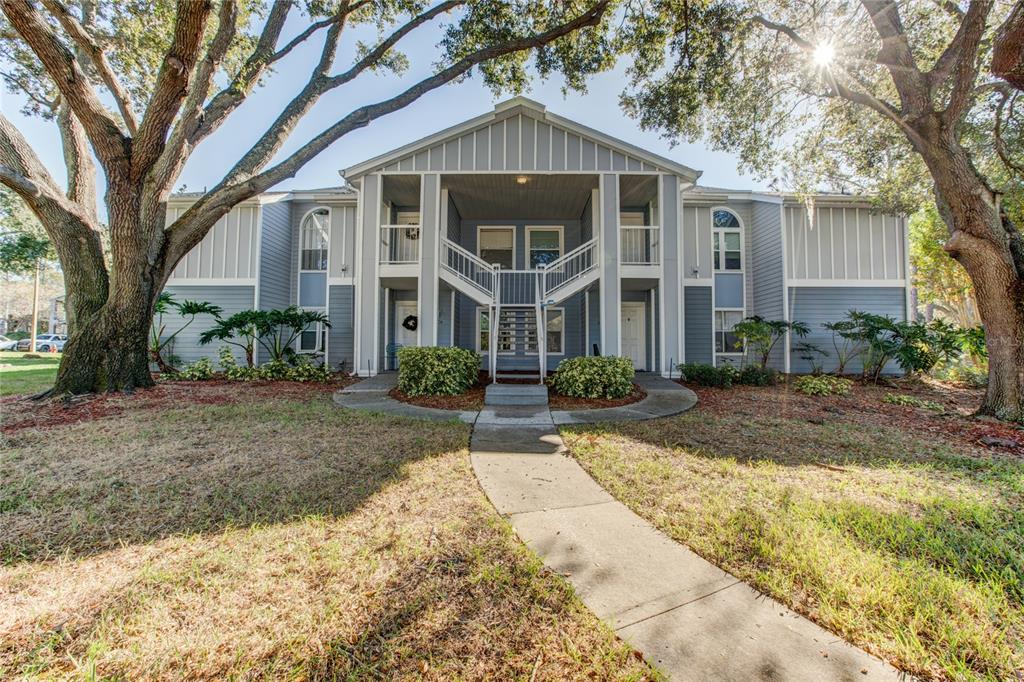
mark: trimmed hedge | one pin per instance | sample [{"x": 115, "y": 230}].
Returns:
[
  {"x": 594, "y": 377},
  {"x": 436, "y": 370},
  {"x": 708, "y": 375}
]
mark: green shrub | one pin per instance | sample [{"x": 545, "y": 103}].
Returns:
[
  {"x": 912, "y": 401},
  {"x": 708, "y": 375},
  {"x": 822, "y": 385},
  {"x": 200, "y": 370},
  {"x": 275, "y": 370},
  {"x": 226, "y": 360},
  {"x": 594, "y": 377},
  {"x": 755, "y": 375},
  {"x": 306, "y": 370},
  {"x": 436, "y": 370}
]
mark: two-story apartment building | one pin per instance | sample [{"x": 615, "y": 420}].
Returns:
[{"x": 532, "y": 238}]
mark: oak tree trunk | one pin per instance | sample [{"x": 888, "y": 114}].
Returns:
[{"x": 991, "y": 249}]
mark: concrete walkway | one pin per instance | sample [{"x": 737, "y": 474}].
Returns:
[
  {"x": 689, "y": 618},
  {"x": 664, "y": 398}
]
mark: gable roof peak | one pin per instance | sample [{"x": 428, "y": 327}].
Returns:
[{"x": 520, "y": 101}]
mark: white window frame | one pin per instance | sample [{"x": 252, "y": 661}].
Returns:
[
  {"x": 544, "y": 335},
  {"x": 321, "y": 336},
  {"x": 510, "y": 228},
  {"x": 720, "y": 232},
  {"x": 528, "y": 264},
  {"x": 476, "y": 334},
  {"x": 715, "y": 330}
]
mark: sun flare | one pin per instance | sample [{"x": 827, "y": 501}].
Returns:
[{"x": 824, "y": 54}]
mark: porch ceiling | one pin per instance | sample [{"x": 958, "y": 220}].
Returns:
[{"x": 500, "y": 197}]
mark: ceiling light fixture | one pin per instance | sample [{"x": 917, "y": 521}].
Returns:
[{"x": 522, "y": 179}]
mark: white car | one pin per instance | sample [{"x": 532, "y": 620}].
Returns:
[
  {"x": 7, "y": 344},
  {"x": 45, "y": 343}
]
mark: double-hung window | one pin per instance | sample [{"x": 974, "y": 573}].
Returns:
[
  {"x": 726, "y": 340},
  {"x": 544, "y": 245},
  {"x": 727, "y": 249},
  {"x": 496, "y": 245},
  {"x": 314, "y": 246},
  {"x": 555, "y": 332}
]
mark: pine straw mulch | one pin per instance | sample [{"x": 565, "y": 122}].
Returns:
[
  {"x": 21, "y": 412},
  {"x": 863, "y": 405}
]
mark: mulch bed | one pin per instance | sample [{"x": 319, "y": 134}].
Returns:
[
  {"x": 20, "y": 412},
  {"x": 473, "y": 399},
  {"x": 564, "y": 402},
  {"x": 864, "y": 405}
]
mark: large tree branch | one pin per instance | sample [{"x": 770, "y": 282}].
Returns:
[
  {"x": 98, "y": 58},
  {"x": 895, "y": 55},
  {"x": 969, "y": 30},
  {"x": 110, "y": 144},
  {"x": 1008, "y": 49},
  {"x": 81, "y": 171},
  {"x": 178, "y": 147},
  {"x": 171, "y": 85},
  {"x": 231, "y": 97},
  {"x": 964, "y": 69},
  {"x": 190, "y": 227}
]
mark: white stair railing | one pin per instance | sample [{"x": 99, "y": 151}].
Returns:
[
  {"x": 570, "y": 267},
  {"x": 468, "y": 267}
]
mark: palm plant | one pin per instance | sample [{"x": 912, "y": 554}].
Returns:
[
  {"x": 761, "y": 335},
  {"x": 241, "y": 330},
  {"x": 165, "y": 303}
]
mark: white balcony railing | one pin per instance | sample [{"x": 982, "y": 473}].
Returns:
[
  {"x": 468, "y": 267},
  {"x": 570, "y": 267},
  {"x": 399, "y": 244},
  {"x": 640, "y": 245}
]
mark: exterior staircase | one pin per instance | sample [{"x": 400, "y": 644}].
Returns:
[{"x": 516, "y": 299}]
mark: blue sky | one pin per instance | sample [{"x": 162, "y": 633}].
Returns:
[{"x": 598, "y": 108}]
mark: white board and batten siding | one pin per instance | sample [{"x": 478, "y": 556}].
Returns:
[
  {"x": 228, "y": 254},
  {"x": 844, "y": 246}
]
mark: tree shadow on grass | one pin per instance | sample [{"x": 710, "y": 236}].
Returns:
[{"x": 76, "y": 491}]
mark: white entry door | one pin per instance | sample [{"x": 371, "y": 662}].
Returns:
[
  {"x": 403, "y": 336},
  {"x": 634, "y": 334}
]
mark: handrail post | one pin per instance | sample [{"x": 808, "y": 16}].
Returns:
[{"x": 542, "y": 323}]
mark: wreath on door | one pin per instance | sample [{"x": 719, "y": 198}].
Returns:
[
  {"x": 411, "y": 322},
  {"x": 412, "y": 233}
]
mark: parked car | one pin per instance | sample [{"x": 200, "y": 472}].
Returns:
[
  {"x": 45, "y": 343},
  {"x": 7, "y": 344}
]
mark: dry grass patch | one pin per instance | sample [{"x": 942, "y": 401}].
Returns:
[
  {"x": 273, "y": 539},
  {"x": 908, "y": 543}
]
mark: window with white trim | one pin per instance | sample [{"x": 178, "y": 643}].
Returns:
[
  {"x": 544, "y": 245},
  {"x": 314, "y": 238},
  {"x": 726, "y": 340},
  {"x": 727, "y": 247},
  {"x": 555, "y": 330},
  {"x": 314, "y": 249},
  {"x": 496, "y": 245}
]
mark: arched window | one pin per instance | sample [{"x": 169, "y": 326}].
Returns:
[
  {"x": 728, "y": 252},
  {"x": 314, "y": 236}
]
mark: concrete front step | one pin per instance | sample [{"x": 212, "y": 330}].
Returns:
[{"x": 516, "y": 394}]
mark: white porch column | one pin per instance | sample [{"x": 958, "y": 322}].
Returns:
[
  {"x": 367, "y": 290},
  {"x": 430, "y": 230},
  {"x": 671, "y": 300},
  {"x": 611, "y": 287}
]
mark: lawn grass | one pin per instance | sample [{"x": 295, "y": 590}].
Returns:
[
  {"x": 21, "y": 375},
  {"x": 273, "y": 539},
  {"x": 904, "y": 542}
]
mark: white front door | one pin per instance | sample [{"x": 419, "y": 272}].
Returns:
[
  {"x": 634, "y": 334},
  {"x": 404, "y": 336}
]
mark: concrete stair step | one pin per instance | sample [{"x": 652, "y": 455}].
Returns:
[{"x": 516, "y": 394}]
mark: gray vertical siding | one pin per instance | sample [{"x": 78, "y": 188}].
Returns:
[
  {"x": 817, "y": 305},
  {"x": 444, "y": 316},
  {"x": 339, "y": 337},
  {"x": 610, "y": 291},
  {"x": 699, "y": 321},
  {"x": 343, "y": 234},
  {"x": 275, "y": 273},
  {"x": 696, "y": 241},
  {"x": 765, "y": 269},
  {"x": 231, "y": 299}
]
